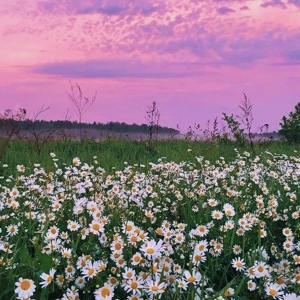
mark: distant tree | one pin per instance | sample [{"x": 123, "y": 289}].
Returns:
[{"x": 290, "y": 126}]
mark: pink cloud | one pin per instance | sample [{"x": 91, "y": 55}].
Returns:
[{"x": 195, "y": 58}]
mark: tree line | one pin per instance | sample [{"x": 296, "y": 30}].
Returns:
[{"x": 118, "y": 127}]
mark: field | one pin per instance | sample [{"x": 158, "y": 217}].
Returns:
[{"x": 173, "y": 219}]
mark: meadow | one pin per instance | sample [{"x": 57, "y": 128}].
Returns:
[{"x": 175, "y": 219}]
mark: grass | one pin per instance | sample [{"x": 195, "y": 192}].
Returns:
[
  {"x": 112, "y": 153},
  {"x": 205, "y": 222}
]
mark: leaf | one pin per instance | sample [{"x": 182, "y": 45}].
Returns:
[{"x": 44, "y": 261}]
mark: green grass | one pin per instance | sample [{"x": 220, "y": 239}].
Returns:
[{"x": 112, "y": 153}]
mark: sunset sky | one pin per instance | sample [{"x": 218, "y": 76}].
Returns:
[{"x": 194, "y": 58}]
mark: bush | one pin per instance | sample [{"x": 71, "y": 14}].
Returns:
[{"x": 290, "y": 127}]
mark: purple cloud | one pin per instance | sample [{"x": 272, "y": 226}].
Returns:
[
  {"x": 295, "y": 2},
  {"x": 225, "y": 10},
  {"x": 244, "y": 7},
  {"x": 273, "y": 3},
  {"x": 118, "y": 69},
  {"x": 292, "y": 57},
  {"x": 111, "y": 7},
  {"x": 227, "y": 1}
]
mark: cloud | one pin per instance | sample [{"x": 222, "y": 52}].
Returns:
[
  {"x": 233, "y": 1},
  {"x": 125, "y": 68},
  {"x": 273, "y": 3},
  {"x": 244, "y": 7},
  {"x": 291, "y": 57},
  {"x": 111, "y": 7},
  {"x": 295, "y": 2},
  {"x": 225, "y": 10}
]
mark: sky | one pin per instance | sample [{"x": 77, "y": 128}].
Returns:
[{"x": 194, "y": 58}]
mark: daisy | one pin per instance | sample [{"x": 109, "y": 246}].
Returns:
[
  {"x": 80, "y": 282},
  {"x": 76, "y": 161},
  {"x": 136, "y": 259},
  {"x": 217, "y": 214},
  {"x": 117, "y": 246},
  {"x": 182, "y": 284},
  {"x": 48, "y": 278},
  {"x": 154, "y": 287},
  {"x": 201, "y": 246},
  {"x": 260, "y": 269},
  {"x": 152, "y": 249},
  {"x": 133, "y": 238},
  {"x": 229, "y": 224},
  {"x": 251, "y": 285},
  {"x": 84, "y": 232},
  {"x": 262, "y": 233},
  {"x": 238, "y": 264},
  {"x": 14, "y": 193},
  {"x": 236, "y": 249},
  {"x": 120, "y": 262},
  {"x": 134, "y": 285},
  {"x": 73, "y": 225},
  {"x": 274, "y": 290},
  {"x": 179, "y": 238},
  {"x": 250, "y": 273},
  {"x": 91, "y": 270},
  {"x": 12, "y": 230},
  {"x": 212, "y": 202},
  {"x": 198, "y": 257},
  {"x": 52, "y": 233},
  {"x": 192, "y": 278},
  {"x": 229, "y": 210},
  {"x": 101, "y": 265},
  {"x": 21, "y": 168},
  {"x": 96, "y": 227},
  {"x": 70, "y": 270},
  {"x": 66, "y": 253},
  {"x": 240, "y": 231},
  {"x": 60, "y": 279},
  {"x": 201, "y": 231},
  {"x": 229, "y": 292},
  {"x": 24, "y": 288},
  {"x": 128, "y": 273},
  {"x": 288, "y": 246},
  {"x": 104, "y": 293}
]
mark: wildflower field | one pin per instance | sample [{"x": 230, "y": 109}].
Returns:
[{"x": 193, "y": 229}]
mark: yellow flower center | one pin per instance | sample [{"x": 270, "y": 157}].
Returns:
[
  {"x": 25, "y": 285},
  {"x": 105, "y": 292},
  {"x": 273, "y": 292},
  {"x": 134, "y": 285},
  {"x": 96, "y": 226},
  {"x": 150, "y": 251}
]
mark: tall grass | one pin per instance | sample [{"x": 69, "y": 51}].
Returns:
[{"x": 112, "y": 153}]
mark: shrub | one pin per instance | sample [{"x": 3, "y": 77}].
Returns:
[{"x": 290, "y": 126}]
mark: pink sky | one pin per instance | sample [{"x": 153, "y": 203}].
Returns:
[{"x": 194, "y": 58}]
